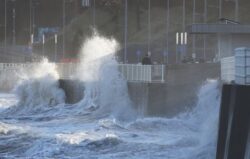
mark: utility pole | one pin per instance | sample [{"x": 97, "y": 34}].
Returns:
[
  {"x": 183, "y": 47},
  {"x": 194, "y": 36},
  {"x": 14, "y": 26},
  {"x": 63, "y": 38},
  {"x": 183, "y": 15},
  {"x": 31, "y": 45},
  {"x": 167, "y": 30},
  {"x": 5, "y": 27},
  {"x": 94, "y": 14},
  {"x": 30, "y": 9},
  {"x": 204, "y": 36},
  {"x": 236, "y": 10},
  {"x": 149, "y": 26},
  {"x": 33, "y": 17},
  {"x": 176, "y": 49},
  {"x": 55, "y": 60},
  {"x": 43, "y": 44},
  {"x": 220, "y": 9},
  {"x": 125, "y": 30}
]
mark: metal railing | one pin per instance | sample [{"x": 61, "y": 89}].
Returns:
[
  {"x": 131, "y": 72},
  {"x": 67, "y": 70},
  {"x": 136, "y": 72}
]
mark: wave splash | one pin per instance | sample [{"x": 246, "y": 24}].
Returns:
[
  {"x": 101, "y": 133},
  {"x": 38, "y": 88},
  {"x": 105, "y": 88}
]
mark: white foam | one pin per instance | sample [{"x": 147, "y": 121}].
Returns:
[
  {"x": 38, "y": 86},
  {"x": 7, "y": 100},
  {"x": 4, "y": 129},
  {"x": 74, "y": 138},
  {"x": 104, "y": 86},
  {"x": 101, "y": 132}
]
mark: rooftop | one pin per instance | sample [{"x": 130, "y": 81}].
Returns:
[{"x": 218, "y": 28}]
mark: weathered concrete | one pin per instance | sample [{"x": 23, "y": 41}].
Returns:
[
  {"x": 73, "y": 89},
  {"x": 177, "y": 94},
  {"x": 183, "y": 83},
  {"x": 161, "y": 99}
]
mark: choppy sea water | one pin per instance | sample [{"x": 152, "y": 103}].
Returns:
[
  {"x": 36, "y": 123},
  {"x": 67, "y": 134}
]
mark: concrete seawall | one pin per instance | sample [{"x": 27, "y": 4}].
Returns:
[
  {"x": 183, "y": 83},
  {"x": 177, "y": 94}
]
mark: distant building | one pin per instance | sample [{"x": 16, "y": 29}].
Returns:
[{"x": 228, "y": 36}]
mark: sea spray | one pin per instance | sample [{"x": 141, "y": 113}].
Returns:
[
  {"x": 105, "y": 88},
  {"x": 189, "y": 136},
  {"x": 203, "y": 119},
  {"x": 38, "y": 86},
  {"x": 9, "y": 79},
  {"x": 49, "y": 133}
]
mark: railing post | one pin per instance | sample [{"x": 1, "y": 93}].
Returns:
[
  {"x": 162, "y": 73},
  {"x": 127, "y": 71},
  {"x": 1, "y": 66},
  {"x": 132, "y": 72},
  {"x": 144, "y": 73},
  {"x": 150, "y": 73}
]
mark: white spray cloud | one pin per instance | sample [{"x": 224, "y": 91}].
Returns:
[
  {"x": 104, "y": 86},
  {"x": 39, "y": 85}
]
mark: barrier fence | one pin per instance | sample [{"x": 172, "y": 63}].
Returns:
[
  {"x": 228, "y": 69},
  {"x": 237, "y": 68},
  {"x": 131, "y": 72}
]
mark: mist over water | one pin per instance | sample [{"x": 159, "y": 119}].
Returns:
[
  {"x": 105, "y": 88},
  {"x": 103, "y": 124}
]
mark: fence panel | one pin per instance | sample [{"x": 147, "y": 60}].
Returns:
[
  {"x": 228, "y": 69},
  {"x": 131, "y": 72}
]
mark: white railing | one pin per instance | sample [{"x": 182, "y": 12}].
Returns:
[
  {"x": 67, "y": 70},
  {"x": 136, "y": 72},
  {"x": 131, "y": 72},
  {"x": 228, "y": 69},
  {"x": 242, "y": 66},
  {"x": 237, "y": 68}
]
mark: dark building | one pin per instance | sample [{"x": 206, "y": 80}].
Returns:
[{"x": 27, "y": 17}]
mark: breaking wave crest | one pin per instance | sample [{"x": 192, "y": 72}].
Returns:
[
  {"x": 105, "y": 88},
  {"x": 103, "y": 124},
  {"x": 38, "y": 87}
]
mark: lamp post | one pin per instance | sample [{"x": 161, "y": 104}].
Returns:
[
  {"x": 55, "y": 48},
  {"x": 14, "y": 26},
  {"x": 149, "y": 25},
  {"x": 31, "y": 45},
  {"x": 5, "y": 26},
  {"x": 167, "y": 29},
  {"x": 194, "y": 21},
  {"x": 204, "y": 36},
  {"x": 125, "y": 31},
  {"x": 33, "y": 18},
  {"x": 30, "y": 9},
  {"x": 63, "y": 37},
  {"x": 43, "y": 44},
  {"x": 94, "y": 14}
]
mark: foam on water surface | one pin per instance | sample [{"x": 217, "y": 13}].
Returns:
[{"x": 40, "y": 125}]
